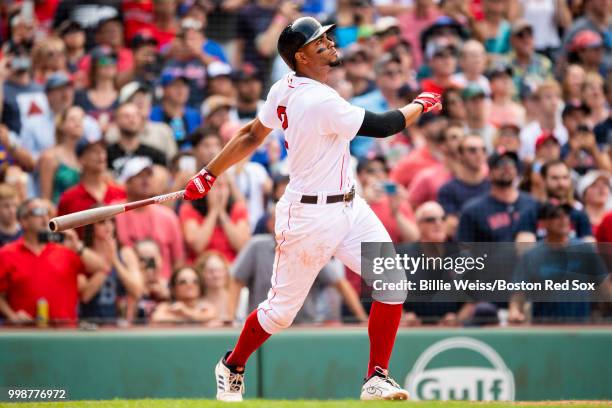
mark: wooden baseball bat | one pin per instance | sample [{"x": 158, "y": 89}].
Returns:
[{"x": 80, "y": 218}]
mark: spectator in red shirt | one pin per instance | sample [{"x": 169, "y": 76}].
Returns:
[
  {"x": 32, "y": 269},
  {"x": 594, "y": 191},
  {"x": 604, "y": 232},
  {"x": 156, "y": 222},
  {"x": 165, "y": 23},
  {"x": 428, "y": 155},
  {"x": 387, "y": 200},
  {"x": 217, "y": 222},
  {"x": 95, "y": 186}
]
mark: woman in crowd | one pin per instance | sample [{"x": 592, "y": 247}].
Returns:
[
  {"x": 101, "y": 293},
  {"x": 187, "y": 305},
  {"x": 59, "y": 166},
  {"x": 215, "y": 273},
  {"x": 48, "y": 57}
]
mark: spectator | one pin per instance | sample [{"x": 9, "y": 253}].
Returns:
[
  {"x": 73, "y": 36},
  {"x": 130, "y": 124},
  {"x": 556, "y": 258},
  {"x": 173, "y": 109},
  {"x": 503, "y": 109},
  {"x": 220, "y": 79},
  {"x": 582, "y": 154},
  {"x": 153, "y": 134},
  {"x": 494, "y": 217},
  {"x": 604, "y": 231},
  {"x": 33, "y": 270},
  {"x": 384, "y": 97},
  {"x": 558, "y": 185},
  {"x": 359, "y": 67},
  {"x": 548, "y": 98},
  {"x": 155, "y": 287},
  {"x": 48, "y": 57},
  {"x": 100, "y": 293},
  {"x": 508, "y": 138},
  {"x": 547, "y": 19},
  {"x": 38, "y": 132},
  {"x": 594, "y": 98},
  {"x": 470, "y": 180},
  {"x": 453, "y": 107},
  {"x": 442, "y": 59},
  {"x": 425, "y": 185},
  {"x": 165, "y": 23},
  {"x": 94, "y": 186},
  {"x": 387, "y": 199},
  {"x": 587, "y": 50},
  {"x": 572, "y": 116},
  {"x": 573, "y": 80},
  {"x": 100, "y": 98},
  {"x": 187, "y": 305},
  {"x": 214, "y": 270},
  {"x": 206, "y": 144},
  {"x": 88, "y": 13},
  {"x": 147, "y": 61},
  {"x": 476, "y": 118},
  {"x": 254, "y": 269},
  {"x": 156, "y": 222},
  {"x": 594, "y": 192},
  {"x": 430, "y": 220},
  {"x": 494, "y": 30},
  {"x": 248, "y": 102},
  {"x": 422, "y": 157},
  {"x": 414, "y": 20},
  {"x": 547, "y": 149},
  {"x": 215, "y": 111},
  {"x": 22, "y": 97},
  {"x": 473, "y": 61},
  {"x": 59, "y": 165},
  {"x": 10, "y": 230},
  {"x": 529, "y": 67},
  {"x": 217, "y": 222}
]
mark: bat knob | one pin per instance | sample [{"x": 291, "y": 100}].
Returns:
[{"x": 53, "y": 226}]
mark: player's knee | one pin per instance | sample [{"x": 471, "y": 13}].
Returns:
[{"x": 274, "y": 321}]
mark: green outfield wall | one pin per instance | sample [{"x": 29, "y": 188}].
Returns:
[{"x": 486, "y": 364}]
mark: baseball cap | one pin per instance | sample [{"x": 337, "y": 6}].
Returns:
[
  {"x": 354, "y": 50},
  {"x": 472, "y": 91},
  {"x": 217, "y": 69},
  {"x": 85, "y": 144},
  {"x": 134, "y": 167},
  {"x": 102, "y": 55},
  {"x": 586, "y": 39},
  {"x": 521, "y": 25},
  {"x": 589, "y": 179},
  {"x": 498, "y": 70},
  {"x": 247, "y": 71},
  {"x": 142, "y": 38},
  {"x": 69, "y": 26},
  {"x": 130, "y": 89},
  {"x": 545, "y": 137},
  {"x": 384, "y": 60},
  {"x": 384, "y": 24},
  {"x": 169, "y": 75},
  {"x": 57, "y": 80},
  {"x": 214, "y": 103},
  {"x": 549, "y": 210},
  {"x": 496, "y": 158},
  {"x": 511, "y": 126}
]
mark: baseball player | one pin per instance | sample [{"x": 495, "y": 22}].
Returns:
[{"x": 319, "y": 216}]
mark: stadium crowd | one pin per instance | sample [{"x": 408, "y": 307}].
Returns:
[{"x": 108, "y": 101}]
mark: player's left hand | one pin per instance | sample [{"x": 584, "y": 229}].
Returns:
[
  {"x": 199, "y": 185},
  {"x": 430, "y": 101}
]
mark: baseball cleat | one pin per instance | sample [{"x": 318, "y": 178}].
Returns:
[
  {"x": 382, "y": 387},
  {"x": 230, "y": 381}
]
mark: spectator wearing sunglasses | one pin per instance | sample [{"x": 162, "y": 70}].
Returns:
[
  {"x": 34, "y": 268},
  {"x": 186, "y": 305}
]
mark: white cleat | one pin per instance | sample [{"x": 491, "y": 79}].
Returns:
[
  {"x": 230, "y": 384},
  {"x": 382, "y": 387}
]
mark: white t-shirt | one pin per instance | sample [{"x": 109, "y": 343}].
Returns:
[
  {"x": 250, "y": 181},
  {"x": 318, "y": 126},
  {"x": 541, "y": 15}
]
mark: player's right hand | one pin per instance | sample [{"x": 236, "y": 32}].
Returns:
[
  {"x": 199, "y": 185},
  {"x": 429, "y": 101}
]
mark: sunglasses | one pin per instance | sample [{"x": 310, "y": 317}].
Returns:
[
  {"x": 524, "y": 34},
  {"x": 431, "y": 220},
  {"x": 474, "y": 150},
  {"x": 375, "y": 170},
  {"x": 38, "y": 212},
  {"x": 187, "y": 282}
]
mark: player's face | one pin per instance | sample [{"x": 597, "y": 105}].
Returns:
[{"x": 321, "y": 52}]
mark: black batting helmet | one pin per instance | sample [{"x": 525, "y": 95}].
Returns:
[{"x": 297, "y": 34}]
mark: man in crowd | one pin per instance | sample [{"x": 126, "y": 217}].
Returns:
[
  {"x": 249, "y": 88},
  {"x": 156, "y": 222},
  {"x": 34, "y": 270},
  {"x": 10, "y": 230},
  {"x": 477, "y": 121},
  {"x": 470, "y": 181}
]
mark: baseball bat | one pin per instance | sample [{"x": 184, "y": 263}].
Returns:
[{"x": 81, "y": 218}]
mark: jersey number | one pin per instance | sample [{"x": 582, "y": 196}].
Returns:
[{"x": 281, "y": 111}]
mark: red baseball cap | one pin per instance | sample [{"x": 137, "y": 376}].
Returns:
[
  {"x": 586, "y": 39},
  {"x": 545, "y": 137}
]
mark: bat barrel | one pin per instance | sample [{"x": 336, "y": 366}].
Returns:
[{"x": 80, "y": 218}]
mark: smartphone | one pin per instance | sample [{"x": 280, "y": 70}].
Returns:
[
  {"x": 390, "y": 187},
  {"x": 48, "y": 236}
]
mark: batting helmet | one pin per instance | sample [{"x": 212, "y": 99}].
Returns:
[{"x": 302, "y": 31}]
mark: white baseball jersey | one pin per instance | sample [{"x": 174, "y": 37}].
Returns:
[{"x": 318, "y": 125}]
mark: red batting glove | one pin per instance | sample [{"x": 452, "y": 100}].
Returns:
[
  {"x": 430, "y": 101},
  {"x": 199, "y": 185}
]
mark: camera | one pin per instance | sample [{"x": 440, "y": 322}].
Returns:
[{"x": 48, "y": 236}]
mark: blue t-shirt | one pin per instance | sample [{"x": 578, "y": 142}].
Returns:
[
  {"x": 455, "y": 193},
  {"x": 181, "y": 127},
  {"x": 484, "y": 219},
  {"x": 580, "y": 224},
  {"x": 103, "y": 305}
]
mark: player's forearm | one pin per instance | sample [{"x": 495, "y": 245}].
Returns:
[
  {"x": 411, "y": 113},
  {"x": 238, "y": 148}
]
